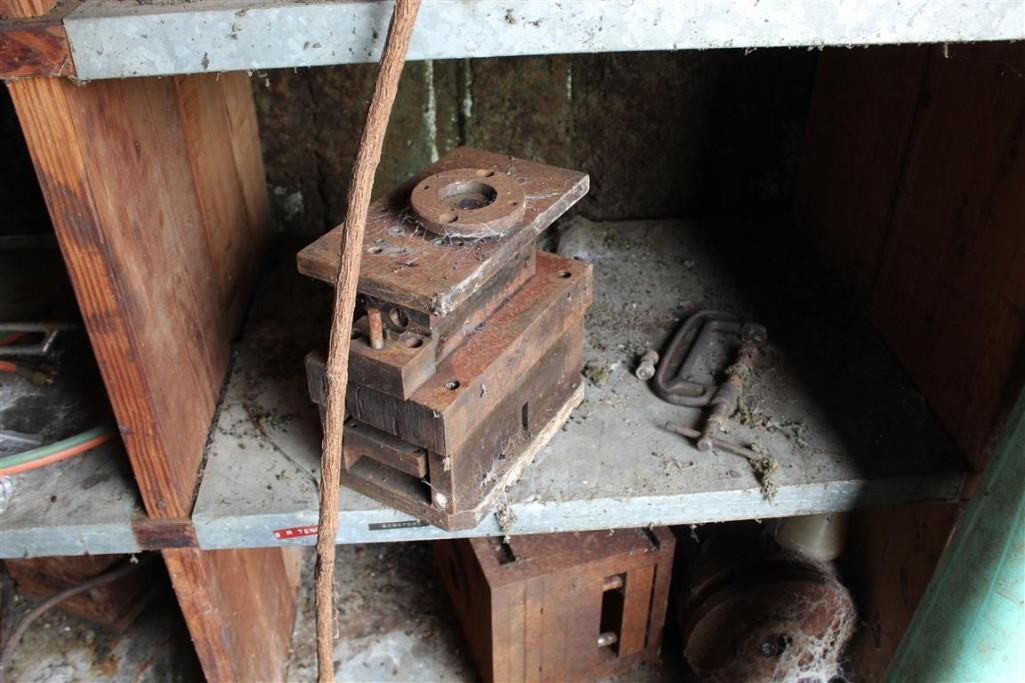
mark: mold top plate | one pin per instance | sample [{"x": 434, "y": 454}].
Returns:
[{"x": 407, "y": 264}]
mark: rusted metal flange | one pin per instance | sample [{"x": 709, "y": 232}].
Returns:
[{"x": 472, "y": 203}]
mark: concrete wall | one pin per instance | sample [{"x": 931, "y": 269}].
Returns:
[{"x": 662, "y": 134}]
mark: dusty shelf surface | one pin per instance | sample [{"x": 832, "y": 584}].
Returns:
[
  {"x": 86, "y": 504},
  {"x": 828, "y": 404}
]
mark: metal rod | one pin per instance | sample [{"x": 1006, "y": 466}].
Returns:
[
  {"x": 716, "y": 442},
  {"x": 376, "y": 327}
]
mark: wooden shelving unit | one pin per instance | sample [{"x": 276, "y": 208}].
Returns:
[{"x": 157, "y": 194}]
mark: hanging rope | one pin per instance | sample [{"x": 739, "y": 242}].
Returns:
[{"x": 368, "y": 156}]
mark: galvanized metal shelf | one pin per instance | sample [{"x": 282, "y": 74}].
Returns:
[
  {"x": 85, "y": 505},
  {"x": 113, "y": 39},
  {"x": 831, "y": 406}
]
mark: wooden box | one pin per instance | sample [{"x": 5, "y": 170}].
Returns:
[{"x": 559, "y": 607}]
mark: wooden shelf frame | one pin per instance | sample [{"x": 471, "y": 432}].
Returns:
[
  {"x": 157, "y": 194},
  {"x": 103, "y": 152},
  {"x": 100, "y": 39}
]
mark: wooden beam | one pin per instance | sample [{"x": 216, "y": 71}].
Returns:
[
  {"x": 162, "y": 232},
  {"x": 157, "y": 194},
  {"x": 240, "y": 608},
  {"x": 33, "y": 42}
]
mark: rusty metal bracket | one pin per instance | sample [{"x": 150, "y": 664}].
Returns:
[
  {"x": 687, "y": 346},
  {"x": 41, "y": 348}
]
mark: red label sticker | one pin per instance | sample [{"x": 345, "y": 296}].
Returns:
[{"x": 295, "y": 532}]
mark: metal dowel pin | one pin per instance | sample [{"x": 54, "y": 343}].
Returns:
[
  {"x": 646, "y": 368},
  {"x": 376, "y": 327}
]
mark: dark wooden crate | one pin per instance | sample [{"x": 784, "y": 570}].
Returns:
[{"x": 533, "y": 609}]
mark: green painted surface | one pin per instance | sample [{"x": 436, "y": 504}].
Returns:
[{"x": 970, "y": 626}]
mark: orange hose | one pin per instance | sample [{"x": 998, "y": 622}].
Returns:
[
  {"x": 60, "y": 455},
  {"x": 11, "y": 337},
  {"x": 7, "y": 366}
]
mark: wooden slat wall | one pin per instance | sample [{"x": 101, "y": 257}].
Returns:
[
  {"x": 856, "y": 140},
  {"x": 912, "y": 189},
  {"x": 950, "y": 294}
]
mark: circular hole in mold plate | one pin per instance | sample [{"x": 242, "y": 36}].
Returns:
[
  {"x": 412, "y": 342},
  {"x": 375, "y": 250},
  {"x": 452, "y": 384},
  {"x": 565, "y": 274},
  {"x": 398, "y": 319},
  {"x": 467, "y": 195}
]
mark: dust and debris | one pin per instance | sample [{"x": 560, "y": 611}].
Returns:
[
  {"x": 505, "y": 518},
  {"x": 764, "y": 468},
  {"x": 598, "y": 375},
  {"x": 392, "y": 614},
  {"x": 60, "y": 647}
]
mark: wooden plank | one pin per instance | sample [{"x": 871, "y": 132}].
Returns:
[
  {"x": 945, "y": 286},
  {"x": 855, "y": 143},
  {"x": 158, "y": 280},
  {"x": 950, "y": 288},
  {"x": 25, "y": 8},
  {"x": 157, "y": 195},
  {"x": 240, "y": 607},
  {"x": 890, "y": 556},
  {"x": 34, "y": 48},
  {"x": 33, "y": 42}
]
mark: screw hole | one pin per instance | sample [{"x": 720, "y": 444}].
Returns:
[
  {"x": 452, "y": 384},
  {"x": 565, "y": 274},
  {"x": 413, "y": 342},
  {"x": 484, "y": 173},
  {"x": 375, "y": 250},
  {"x": 458, "y": 243},
  {"x": 396, "y": 230}
]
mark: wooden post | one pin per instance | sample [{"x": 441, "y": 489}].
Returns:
[{"x": 157, "y": 194}]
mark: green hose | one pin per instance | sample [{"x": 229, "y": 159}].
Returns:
[{"x": 55, "y": 447}]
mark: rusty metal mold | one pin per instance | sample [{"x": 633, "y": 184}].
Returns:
[{"x": 469, "y": 353}]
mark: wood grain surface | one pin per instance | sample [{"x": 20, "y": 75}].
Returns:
[
  {"x": 531, "y": 609},
  {"x": 161, "y": 235},
  {"x": 911, "y": 189},
  {"x": 240, "y": 607}
]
